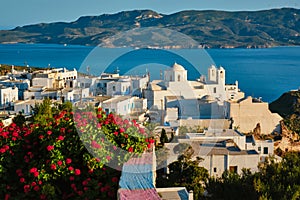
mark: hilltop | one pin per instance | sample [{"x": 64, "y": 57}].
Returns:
[{"x": 211, "y": 29}]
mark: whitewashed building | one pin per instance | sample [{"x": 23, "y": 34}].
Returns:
[
  {"x": 88, "y": 82},
  {"x": 124, "y": 105},
  {"x": 21, "y": 84},
  {"x": 194, "y": 99},
  {"x": 8, "y": 95},
  {"x": 44, "y": 82},
  {"x": 26, "y": 107},
  {"x": 246, "y": 113},
  {"x": 66, "y": 94},
  {"x": 114, "y": 84},
  {"x": 223, "y": 149},
  {"x": 55, "y": 78}
]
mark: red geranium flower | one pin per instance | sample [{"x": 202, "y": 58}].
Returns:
[
  {"x": 36, "y": 188},
  {"x": 122, "y": 130},
  {"x": 77, "y": 172},
  {"x": 61, "y": 138},
  {"x": 26, "y": 188},
  {"x": 50, "y": 148},
  {"x": 32, "y": 170},
  {"x": 68, "y": 160},
  {"x": 53, "y": 166},
  {"x": 130, "y": 149},
  {"x": 70, "y": 168},
  {"x": 95, "y": 145},
  {"x": 35, "y": 174}
]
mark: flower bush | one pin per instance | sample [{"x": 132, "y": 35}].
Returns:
[{"x": 67, "y": 154}]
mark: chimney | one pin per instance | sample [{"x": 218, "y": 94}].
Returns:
[{"x": 191, "y": 195}]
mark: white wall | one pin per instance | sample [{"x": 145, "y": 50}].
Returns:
[
  {"x": 247, "y": 114},
  {"x": 8, "y": 95},
  {"x": 25, "y": 106},
  {"x": 45, "y": 82},
  {"x": 118, "y": 88}
]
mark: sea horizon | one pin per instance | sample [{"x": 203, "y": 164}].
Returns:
[{"x": 262, "y": 72}]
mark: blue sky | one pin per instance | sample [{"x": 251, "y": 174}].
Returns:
[{"x": 22, "y": 12}]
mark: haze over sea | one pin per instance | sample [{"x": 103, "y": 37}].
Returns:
[{"x": 265, "y": 73}]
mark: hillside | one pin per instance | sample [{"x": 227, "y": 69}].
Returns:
[
  {"x": 218, "y": 29},
  {"x": 287, "y": 104}
]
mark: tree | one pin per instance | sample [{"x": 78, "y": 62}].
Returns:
[
  {"x": 280, "y": 180},
  {"x": 275, "y": 180},
  {"x": 185, "y": 172},
  {"x": 44, "y": 111},
  {"x": 19, "y": 120},
  {"x": 163, "y": 137},
  {"x": 232, "y": 186}
]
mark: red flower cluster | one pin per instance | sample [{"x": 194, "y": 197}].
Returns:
[{"x": 46, "y": 151}]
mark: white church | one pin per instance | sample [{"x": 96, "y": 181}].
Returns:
[{"x": 181, "y": 98}]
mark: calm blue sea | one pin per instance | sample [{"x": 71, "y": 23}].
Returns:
[{"x": 265, "y": 73}]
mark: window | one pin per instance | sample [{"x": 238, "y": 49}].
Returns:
[
  {"x": 215, "y": 90},
  {"x": 259, "y": 149},
  {"x": 233, "y": 169},
  {"x": 266, "y": 150},
  {"x": 221, "y": 74},
  {"x": 114, "y": 88},
  {"x": 178, "y": 78},
  {"x": 215, "y": 169}
]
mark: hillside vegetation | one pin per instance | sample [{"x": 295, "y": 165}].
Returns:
[{"x": 218, "y": 29}]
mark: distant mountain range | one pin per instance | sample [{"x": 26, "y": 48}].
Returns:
[{"x": 211, "y": 29}]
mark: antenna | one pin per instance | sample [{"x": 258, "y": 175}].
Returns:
[
  {"x": 88, "y": 69},
  {"x": 117, "y": 70},
  {"x": 160, "y": 73}
]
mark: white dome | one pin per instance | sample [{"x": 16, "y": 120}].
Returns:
[{"x": 177, "y": 67}]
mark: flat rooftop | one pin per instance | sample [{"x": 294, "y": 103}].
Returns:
[
  {"x": 117, "y": 99},
  {"x": 214, "y": 133},
  {"x": 207, "y": 149}
]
